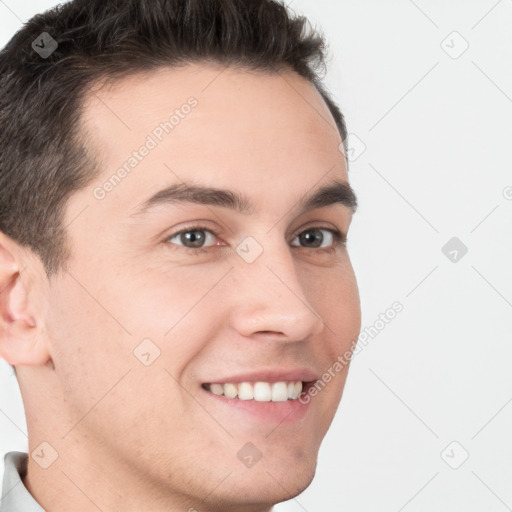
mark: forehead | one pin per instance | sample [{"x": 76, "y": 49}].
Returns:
[{"x": 215, "y": 125}]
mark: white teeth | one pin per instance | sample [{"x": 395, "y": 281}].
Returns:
[
  {"x": 217, "y": 389},
  {"x": 279, "y": 392},
  {"x": 297, "y": 389},
  {"x": 245, "y": 391},
  {"x": 262, "y": 392},
  {"x": 230, "y": 390},
  {"x": 259, "y": 391}
]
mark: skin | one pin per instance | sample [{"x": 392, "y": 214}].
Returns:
[{"x": 134, "y": 437}]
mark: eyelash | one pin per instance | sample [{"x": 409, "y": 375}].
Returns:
[{"x": 340, "y": 239}]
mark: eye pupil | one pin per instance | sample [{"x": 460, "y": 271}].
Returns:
[
  {"x": 306, "y": 236},
  {"x": 191, "y": 236}
]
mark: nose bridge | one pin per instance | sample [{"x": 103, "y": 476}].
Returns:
[{"x": 269, "y": 292}]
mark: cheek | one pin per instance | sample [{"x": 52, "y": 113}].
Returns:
[
  {"x": 89, "y": 347},
  {"x": 171, "y": 308},
  {"x": 341, "y": 311},
  {"x": 92, "y": 338},
  {"x": 99, "y": 378},
  {"x": 337, "y": 295}
]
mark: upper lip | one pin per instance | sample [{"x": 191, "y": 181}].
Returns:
[{"x": 269, "y": 375}]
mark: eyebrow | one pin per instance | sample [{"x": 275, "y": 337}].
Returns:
[{"x": 337, "y": 192}]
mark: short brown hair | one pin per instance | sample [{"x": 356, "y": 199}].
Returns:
[{"x": 44, "y": 157}]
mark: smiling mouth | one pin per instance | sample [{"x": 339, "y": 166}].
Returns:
[{"x": 259, "y": 391}]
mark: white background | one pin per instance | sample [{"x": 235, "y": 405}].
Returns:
[{"x": 436, "y": 129}]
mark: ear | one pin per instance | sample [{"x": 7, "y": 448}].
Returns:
[{"x": 21, "y": 336}]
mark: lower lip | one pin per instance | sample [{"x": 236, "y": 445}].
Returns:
[{"x": 281, "y": 413}]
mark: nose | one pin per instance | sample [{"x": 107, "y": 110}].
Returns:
[{"x": 269, "y": 300}]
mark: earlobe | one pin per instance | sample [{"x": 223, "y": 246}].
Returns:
[{"x": 20, "y": 341}]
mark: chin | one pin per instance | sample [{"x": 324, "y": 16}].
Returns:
[
  {"x": 263, "y": 491},
  {"x": 269, "y": 482},
  {"x": 290, "y": 483}
]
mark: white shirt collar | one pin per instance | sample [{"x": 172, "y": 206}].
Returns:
[{"x": 15, "y": 496}]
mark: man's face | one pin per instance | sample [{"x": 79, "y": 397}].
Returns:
[{"x": 144, "y": 319}]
